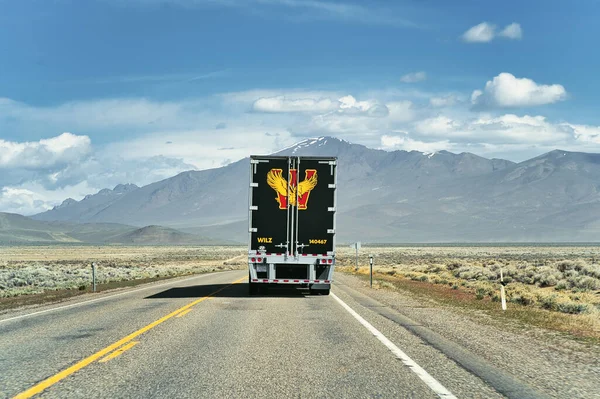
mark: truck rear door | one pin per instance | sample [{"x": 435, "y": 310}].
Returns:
[
  {"x": 269, "y": 213},
  {"x": 292, "y": 205},
  {"x": 315, "y": 211}
]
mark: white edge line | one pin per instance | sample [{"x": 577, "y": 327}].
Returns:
[
  {"x": 104, "y": 297},
  {"x": 431, "y": 382}
]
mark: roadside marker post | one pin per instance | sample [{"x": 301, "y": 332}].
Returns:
[
  {"x": 371, "y": 264},
  {"x": 93, "y": 276},
  {"x": 502, "y": 292},
  {"x": 356, "y": 246}
]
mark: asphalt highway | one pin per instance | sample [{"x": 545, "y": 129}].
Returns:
[{"x": 204, "y": 337}]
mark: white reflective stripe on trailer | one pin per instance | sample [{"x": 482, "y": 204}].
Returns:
[{"x": 290, "y": 281}]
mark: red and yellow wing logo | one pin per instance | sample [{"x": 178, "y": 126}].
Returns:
[
  {"x": 288, "y": 192},
  {"x": 276, "y": 181}
]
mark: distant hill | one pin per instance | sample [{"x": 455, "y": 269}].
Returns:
[
  {"x": 158, "y": 235},
  {"x": 16, "y": 230},
  {"x": 385, "y": 196}
]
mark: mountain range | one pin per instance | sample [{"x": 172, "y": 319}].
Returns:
[{"x": 383, "y": 196}]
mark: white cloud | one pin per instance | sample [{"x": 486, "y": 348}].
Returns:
[
  {"x": 512, "y": 31},
  {"x": 404, "y": 142},
  {"x": 338, "y": 123},
  {"x": 507, "y": 128},
  {"x": 349, "y": 105},
  {"x": 400, "y": 111},
  {"x": 204, "y": 148},
  {"x": 34, "y": 176},
  {"x": 445, "y": 101},
  {"x": 46, "y": 153},
  {"x": 22, "y": 201},
  {"x": 486, "y": 32},
  {"x": 414, "y": 77},
  {"x": 482, "y": 33},
  {"x": 283, "y": 104},
  {"x": 440, "y": 126},
  {"x": 585, "y": 133},
  {"x": 302, "y": 103},
  {"x": 506, "y": 136},
  {"x": 360, "y": 117},
  {"x": 505, "y": 91}
]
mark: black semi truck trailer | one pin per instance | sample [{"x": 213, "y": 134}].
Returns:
[{"x": 292, "y": 208}]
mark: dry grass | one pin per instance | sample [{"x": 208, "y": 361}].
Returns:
[
  {"x": 37, "y": 270},
  {"x": 557, "y": 287}
]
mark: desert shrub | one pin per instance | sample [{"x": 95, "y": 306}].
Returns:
[
  {"x": 571, "y": 307},
  {"x": 548, "y": 301},
  {"x": 480, "y": 293},
  {"x": 571, "y": 273},
  {"x": 527, "y": 280},
  {"x": 522, "y": 298},
  {"x": 467, "y": 273},
  {"x": 489, "y": 275},
  {"x": 423, "y": 278},
  {"x": 436, "y": 268},
  {"x": 454, "y": 265},
  {"x": 461, "y": 271},
  {"x": 565, "y": 265},
  {"x": 413, "y": 276},
  {"x": 573, "y": 281},
  {"x": 454, "y": 286},
  {"x": 547, "y": 278},
  {"x": 562, "y": 285},
  {"x": 483, "y": 289},
  {"x": 577, "y": 265},
  {"x": 591, "y": 270},
  {"x": 587, "y": 283}
]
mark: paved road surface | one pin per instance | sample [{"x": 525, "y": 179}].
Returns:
[{"x": 172, "y": 341}]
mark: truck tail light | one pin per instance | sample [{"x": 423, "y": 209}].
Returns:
[
  {"x": 259, "y": 260},
  {"x": 253, "y": 260},
  {"x": 330, "y": 261}
]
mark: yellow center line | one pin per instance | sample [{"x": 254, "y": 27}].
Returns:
[
  {"x": 119, "y": 351},
  {"x": 184, "y": 313},
  {"x": 34, "y": 390}
]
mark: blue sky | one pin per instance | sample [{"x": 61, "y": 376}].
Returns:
[{"x": 99, "y": 92}]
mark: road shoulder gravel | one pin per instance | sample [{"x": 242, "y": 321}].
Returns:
[{"x": 551, "y": 364}]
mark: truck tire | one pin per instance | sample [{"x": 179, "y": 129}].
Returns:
[{"x": 252, "y": 287}]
